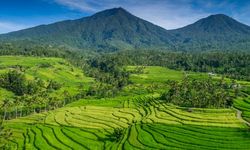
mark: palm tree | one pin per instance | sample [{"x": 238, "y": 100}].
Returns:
[
  {"x": 35, "y": 100},
  {"x": 28, "y": 103},
  {"x": 6, "y": 104},
  {"x": 66, "y": 97},
  {"x": 17, "y": 103},
  {"x": 45, "y": 102}
]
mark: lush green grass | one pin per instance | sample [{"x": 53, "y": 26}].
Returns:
[
  {"x": 153, "y": 79},
  {"x": 56, "y": 69},
  {"x": 157, "y": 126},
  {"x": 155, "y": 74},
  {"x": 147, "y": 123},
  {"x": 243, "y": 104},
  {"x": 5, "y": 94}
]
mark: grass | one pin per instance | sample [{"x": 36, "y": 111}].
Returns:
[
  {"x": 56, "y": 69},
  {"x": 155, "y": 74},
  {"x": 243, "y": 104},
  {"x": 147, "y": 123},
  {"x": 5, "y": 94},
  {"x": 162, "y": 126}
]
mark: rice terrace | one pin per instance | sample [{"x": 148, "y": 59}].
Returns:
[{"x": 111, "y": 80}]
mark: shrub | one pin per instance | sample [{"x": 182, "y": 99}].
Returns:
[{"x": 116, "y": 135}]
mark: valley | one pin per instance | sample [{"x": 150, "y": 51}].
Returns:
[
  {"x": 74, "y": 76},
  {"x": 145, "y": 121}
]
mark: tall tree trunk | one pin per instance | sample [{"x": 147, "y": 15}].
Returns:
[
  {"x": 4, "y": 116},
  {"x": 21, "y": 111},
  {"x": 16, "y": 111}
]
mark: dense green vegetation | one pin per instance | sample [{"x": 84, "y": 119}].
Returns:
[
  {"x": 230, "y": 64},
  {"x": 28, "y": 48},
  {"x": 30, "y": 84},
  {"x": 216, "y": 32},
  {"x": 155, "y": 125},
  {"x": 200, "y": 93},
  {"x": 120, "y": 30},
  {"x": 108, "y": 71},
  {"x": 82, "y": 84},
  {"x": 5, "y": 134},
  {"x": 14, "y": 81},
  {"x": 135, "y": 117},
  {"x": 243, "y": 104}
]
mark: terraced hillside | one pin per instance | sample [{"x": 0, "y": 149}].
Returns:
[
  {"x": 46, "y": 69},
  {"x": 243, "y": 104},
  {"x": 145, "y": 121},
  {"x": 146, "y": 124}
]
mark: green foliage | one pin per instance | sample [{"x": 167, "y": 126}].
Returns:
[
  {"x": 18, "y": 84},
  {"x": 199, "y": 93},
  {"x": 138, "y": 70},
  {"x": 42, "y": 88},
  {"x": 116, "y": 29},
  {"x": 5, "y": 134},
  {"x": 33, "y": 87},
  {"x": 53, "y": 85},
  {"x": 230, "y": 64},
  {"x": 152, "y": 126},
  {"x": 112, "y": 75},
  {"x": 154, "y": 74},
  {"x": 117, "y": 134},
  {"x": 216, "y": 32},
  {"x": 13, "y": 81},
  {"x": 27, "y": 48},
  {"x": 45, "y": 65}
]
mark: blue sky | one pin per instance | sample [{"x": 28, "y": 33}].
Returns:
[{"x": 170, "y": 14}]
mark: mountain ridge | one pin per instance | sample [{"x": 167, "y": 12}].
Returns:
[
  {"x": 215, "y": 32},
  {"x": 117, "y": 29}
]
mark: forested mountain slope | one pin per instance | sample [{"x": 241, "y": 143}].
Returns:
[
  {"x": 117, "y": 29},
  {"x": 110, "y": 30},
  {"x": 216, "y": 32}
]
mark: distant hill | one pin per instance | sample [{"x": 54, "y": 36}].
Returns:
[
  {"x": 110, "y": 29},
  {"x": 216, "y": 32},
  {"x": 117, "y": 29}
]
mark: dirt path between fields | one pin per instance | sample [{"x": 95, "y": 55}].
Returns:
[{"x": 239, "y": 113}]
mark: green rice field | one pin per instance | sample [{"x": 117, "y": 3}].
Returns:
[{"x": 146, "y": 122}]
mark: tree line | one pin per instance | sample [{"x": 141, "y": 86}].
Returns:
[
  {"x": 205, "y": 93},
  {"x": 231, "y": 64},
  {"x": 111, "y": 76},
  {"x": 32, "y": 96}
]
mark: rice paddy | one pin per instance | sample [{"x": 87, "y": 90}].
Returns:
[
  {"x": 146, "y": 122},
  {"x": 151, "y": 125}
]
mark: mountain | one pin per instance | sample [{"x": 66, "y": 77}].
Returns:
[
  {"x": 110, "y": 29},
  {"x": 117, "y": 29},
  {"x": 216, "y": 32}
]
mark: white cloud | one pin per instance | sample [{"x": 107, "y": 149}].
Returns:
[
  {"x": 166, "y": 13},
  {"x": 6, "y": 27},
  {"x": 77, "y": 4},
  {"x": 169, "y": 14},
  {"x": 243, "y": 14}
]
